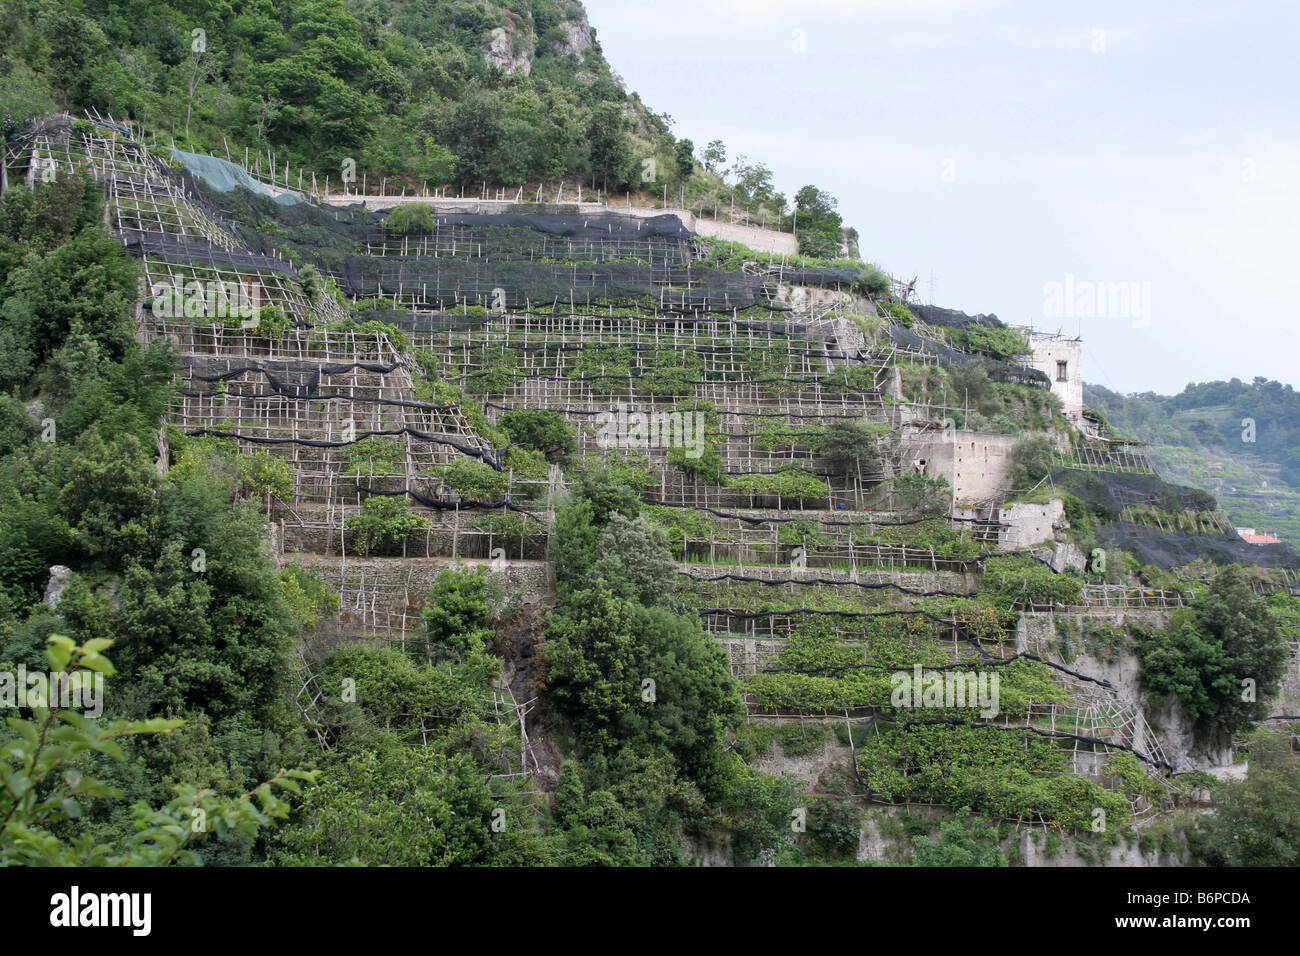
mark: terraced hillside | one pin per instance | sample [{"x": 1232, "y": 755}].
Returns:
[{"x": 851, "y": 489}]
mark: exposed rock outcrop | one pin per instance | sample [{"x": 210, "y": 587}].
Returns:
[
  {"x": 511, "y": 49},
  {"x": 514, "y": 46},
  {"x": 576, "y": 38},
  {"x": 60, "y": 578}
]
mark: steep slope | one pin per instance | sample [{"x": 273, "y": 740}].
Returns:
[
  {"x": 412, "y": 96},
  {"x": 605, "y": 497}
]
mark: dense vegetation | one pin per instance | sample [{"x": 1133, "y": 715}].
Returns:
[
  {"x": 412, "y": 93},
  {"x": 1258, "y": 819},
  {"x": 170, "y": 590},
  {"x": 170, "y": 570},
  {"x": 1223, "y": 658}
]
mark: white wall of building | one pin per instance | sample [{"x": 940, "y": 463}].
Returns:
[{"x": 1067, "y": 378}]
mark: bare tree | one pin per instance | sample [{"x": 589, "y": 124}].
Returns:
[
  {"x": 266, "y": 110},
  {"x": 202, "y": 68}
]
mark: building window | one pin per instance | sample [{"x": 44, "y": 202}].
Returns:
[{"x": 1061, "y": 375}]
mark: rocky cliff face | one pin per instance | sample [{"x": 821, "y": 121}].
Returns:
[
  {"x": 515, "y": 45},
  {"x": 511, "y": 48},
  {"x": 575, "y": 39}
]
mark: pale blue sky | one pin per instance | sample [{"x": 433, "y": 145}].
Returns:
[{"x": 1164, "y": 150}]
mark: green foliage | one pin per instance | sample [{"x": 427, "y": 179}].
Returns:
[
  {"x": 1223, "y": 658},
  {"x": 49, "y": 215},
  {"x": 408, "y": 218},
  {"x": 900, "y": 313},
  {"x": 834, "y": 826},
  {"x": 54, "y": 286},
  {"x": 705, "y": 466},
  {"x": 799, "y": 740},
  {"x": 393, "y": 806},
  {"x": 573, "y": 546},
  {"x": 45, "y": 786},
  {"x": 631, "y": 676},
  {"x": 672, "y": 373},
  {"x": 867, "y": 279},
  {"x": 804, "y": 531},
  {"x": 1134, "y": 781},
  {"x": 272, "y": 323},
  {"x": 472, "y": 479},
  {"x": 456, "y": 613},
  {"x": 1021, "y": 579},
  {"x": 120, "y": 398},
  {"x": 919, "y": 492},
  {"x": 1257, "y": 820},
  {"x": 819, "y": 672},
  {"x": 774, "y": 435},
  {"x": 383, "y": 521},
  {"x": 935, "y": 534},
  {"x": 679, "y": 523},
  {"x": 1076, "y": 513},
  {"x": 994, "y": 772},
  {"x": 791, "y": 482},
  {"x": 446, "y": 393},
  {"x": 624, "y": 673},
  {"x": 968, "y": 385},
  {"x": 167, "y": 567},
  {"x": 757, "y": 810},
  {"x": 819, "y": 224},
  {"x": 965, "y": 841},
  {"x": 309, "y": 596},
  {"x": 398, "y": 695},
  {"x": 265, "y": 475},
  {"x": 1032, "y": 460},
  {"x": 605, "y": 368},
  {"x": 611, "y": 486},
  {"x": 526, "y": 464},
  {"x": 373, "y": 457},
  {"x": 373, "y": 328},
  {"x": 852, "y": 447},
  {"x": 541, "y": 430},
  {"x": 633, "y": 558},
  {"x": 995, "y": 340}
]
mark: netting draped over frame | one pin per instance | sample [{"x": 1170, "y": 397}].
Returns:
[
  {"x": 224, "y": 176},
  {"x": 998, "y": 370}
]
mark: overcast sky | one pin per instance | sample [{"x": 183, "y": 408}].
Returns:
[{"x": 1003, "y": 146}]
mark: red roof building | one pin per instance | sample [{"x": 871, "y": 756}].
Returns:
[{"x": 1251, "y": 536}]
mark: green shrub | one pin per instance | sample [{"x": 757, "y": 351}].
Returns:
[
  {"x": 472, "y": 479},
  {"x": 383, "y": 521},
  {"x": 1019, "y": 578},
  {"x": 540, "y": 430},
  {"x": 456, "y": 613},
  {"x": 1032, "y": 460},
  {"x": 374, "y": 457},
  {"x": 408, "y": 218},
  {"x": 920, "y": 492},
  {"x": 1208, "y": 652},
  {"x": 852, "y": 447},
  {"x": 900, "y": 313},
  {"x": 266, "y": 476},
  {"x": 791, "y": 482}
]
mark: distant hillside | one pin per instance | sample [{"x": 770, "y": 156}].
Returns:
[{"x": 1203, "y": 438}]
